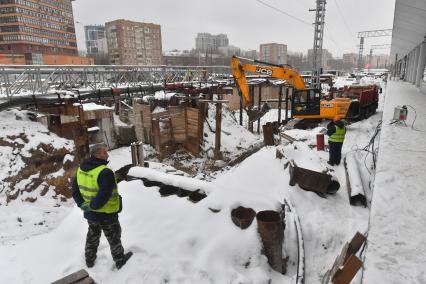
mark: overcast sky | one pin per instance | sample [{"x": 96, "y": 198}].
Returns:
[{"x": 247, "y": 23}]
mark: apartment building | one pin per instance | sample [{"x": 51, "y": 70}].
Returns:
[
  {"x": 326, "y": 57},
  {"x": 96, "y": 42},
  {"x": 39, "y": 27},
  {"x": 378, "y": 61},
  {"x": 210, "y": 43},
  {"x": 134, "y": 43},
  {"x": 275, "y": 53},
  {"x": 350, "y": 58}
]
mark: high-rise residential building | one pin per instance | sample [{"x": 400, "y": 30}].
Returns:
[
  {"x": 134, "y": 43},
  {"x": 326, "y": 56},
  {"x": 95, "y": 40},
  {"x": 209, "y": 42},
  {"x": 350, "y": 58},
  {"x": 378, "y": 61},
  {"x": 229, "y": 50},
  {"x": 251, "y": 54},
  {"x": 275, "y": 53},
  {"x": 37, "y": 27}
]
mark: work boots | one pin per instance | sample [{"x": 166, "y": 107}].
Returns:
[{"x": 119, "y": 264}]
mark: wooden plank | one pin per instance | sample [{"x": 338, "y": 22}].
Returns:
[
  {"x": 345, "y": 274},
  {"x": 192, "y": 121},
  {"x": 356, "y": 243},
  {"x": 191, "y": 109},
  {"x": 73, "y": 277},
  {"x": 178, "y": 124},
  {"x": 192, "y": 125}
]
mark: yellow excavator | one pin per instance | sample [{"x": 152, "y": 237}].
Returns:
[{"x": 305, "y": 103}]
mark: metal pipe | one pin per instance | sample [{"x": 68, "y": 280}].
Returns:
[{"x": 271, "y": 231}]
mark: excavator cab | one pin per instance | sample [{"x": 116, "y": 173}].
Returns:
[{"x": 306, "y": 102}]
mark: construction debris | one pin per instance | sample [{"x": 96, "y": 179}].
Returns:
[{"x": 347, "y": 263}]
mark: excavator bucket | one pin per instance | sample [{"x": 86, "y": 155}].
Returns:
[{"x": 254, "y": 114}]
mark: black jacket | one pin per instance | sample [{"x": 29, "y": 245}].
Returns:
[
  {"x": 106, "y": 181},
  {"x": 331, "y": 127}
]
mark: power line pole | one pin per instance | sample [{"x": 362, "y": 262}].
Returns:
[{"x": 318, "y": 39}]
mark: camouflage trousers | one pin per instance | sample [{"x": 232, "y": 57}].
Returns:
[{"x": 112, "y": 231}]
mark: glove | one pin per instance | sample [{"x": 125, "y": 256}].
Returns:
[{"x": 85, "y": 206}]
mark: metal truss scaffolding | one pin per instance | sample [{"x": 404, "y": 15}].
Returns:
[{"x": 39, "y": 79}]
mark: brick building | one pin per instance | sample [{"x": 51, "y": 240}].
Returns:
[
  {"x": 35, "y": 29},
  {"x": 134, "y": 43},
  {"x": 45, "y": 26}
]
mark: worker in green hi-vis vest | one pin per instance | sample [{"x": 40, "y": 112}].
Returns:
[
  {"x": 95, "y": 192},
  {"x": 336, "y": 131}
]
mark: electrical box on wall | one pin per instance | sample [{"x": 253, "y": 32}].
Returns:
[{"x": 400, "y": 113}]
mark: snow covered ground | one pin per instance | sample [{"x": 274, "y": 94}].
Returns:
[
  {"x": 177, "y": 241},
  {"x": 180, "y": 242}
]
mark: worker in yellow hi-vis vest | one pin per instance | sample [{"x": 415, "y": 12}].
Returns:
[
  {"x": 95, "y": 192},
  {"x": 336, "y": 131}
]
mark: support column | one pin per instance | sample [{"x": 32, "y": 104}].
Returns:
[
  {"x": 217, "y": 153},
  {"x": 409, "y": 65},
  {"x": 416, "y": 62},
  {"x": 395, "y": 70},
  {"x": 421, "y": 63},
  {"x": 413, "y": 65}
]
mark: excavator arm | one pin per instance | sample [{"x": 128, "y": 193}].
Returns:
[{"x": 239, "y": 70}]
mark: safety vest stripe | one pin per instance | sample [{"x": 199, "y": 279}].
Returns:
[
  {"x": 86, "y": 188},
  {"x": 89, "y": 197},
  {"x": 86, "y": 197}
]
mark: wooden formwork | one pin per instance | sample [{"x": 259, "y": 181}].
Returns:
[{"x": 179, "y": 125}]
